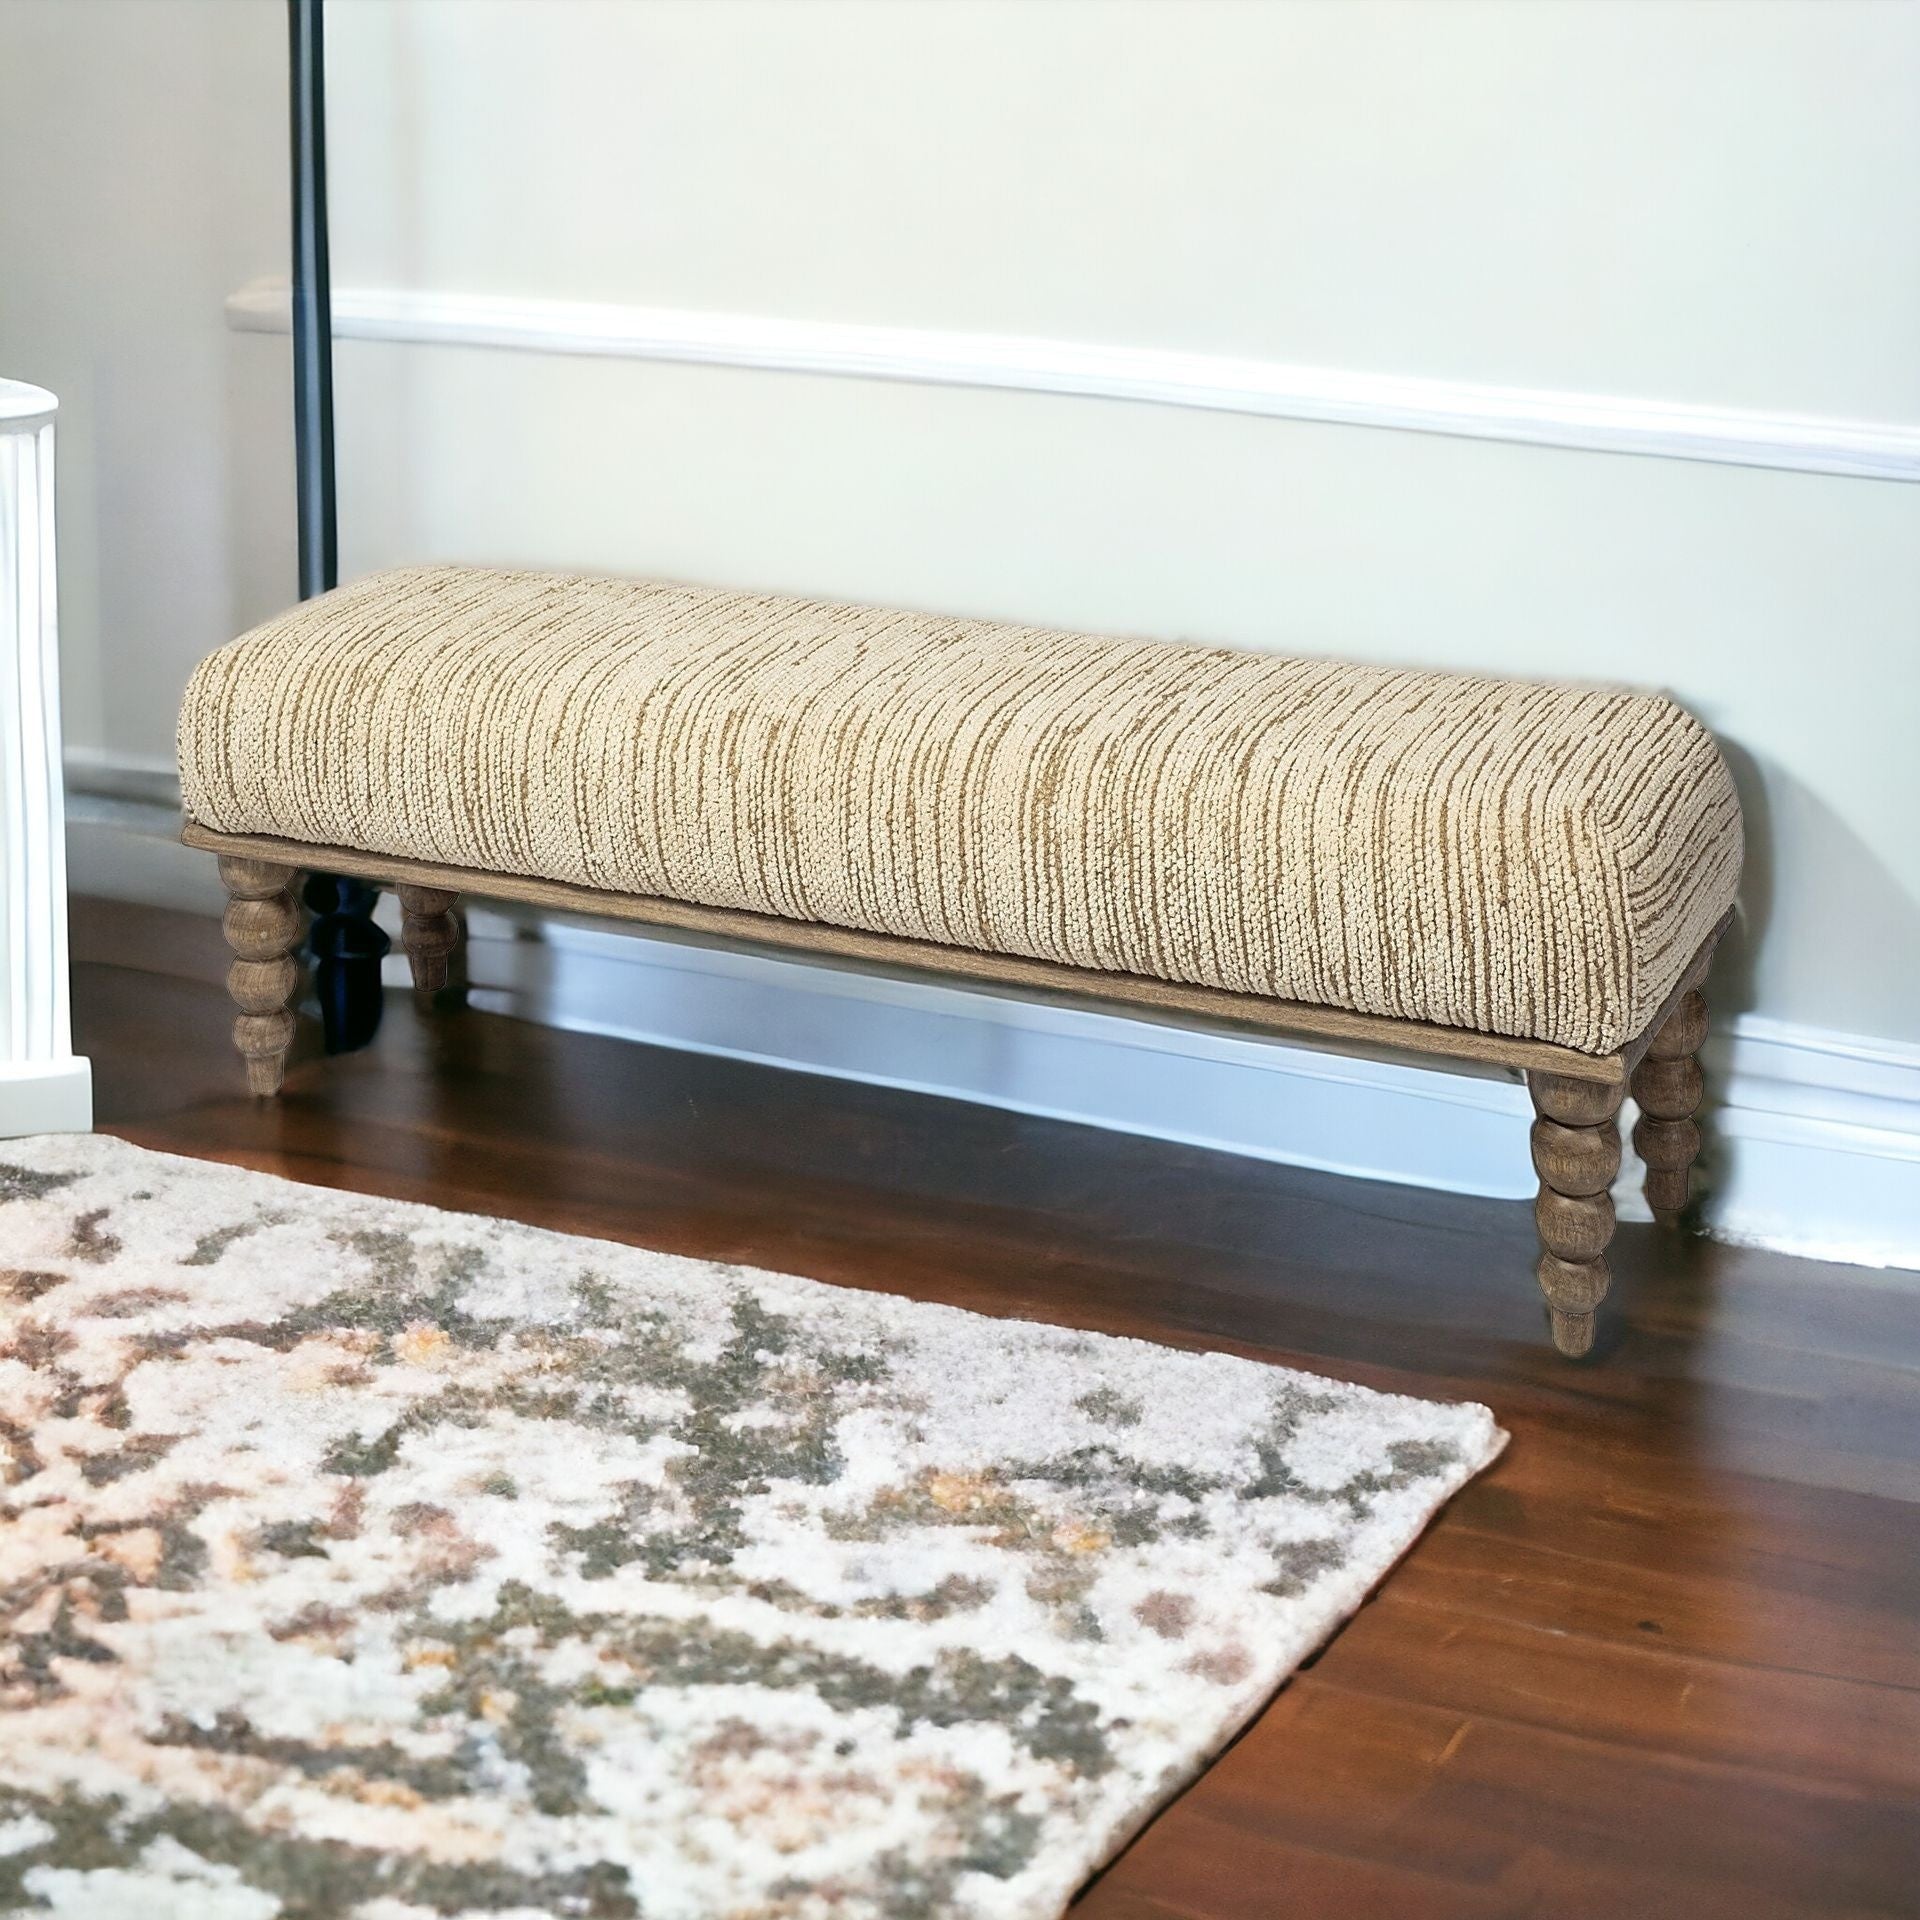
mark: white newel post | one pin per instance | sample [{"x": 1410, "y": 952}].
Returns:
[{"x": 43, "y": 1088}]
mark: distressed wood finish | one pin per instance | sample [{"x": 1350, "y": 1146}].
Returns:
[
  {"x": 262, "y": 925},
  {"x": 1576, "y": 1153},
  {"x": 1662, "y": 1660},
  {"x": 430, "y": 933},
  {"x": 1667, "y": 1085}
]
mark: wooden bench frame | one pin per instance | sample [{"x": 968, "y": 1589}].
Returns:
[{"x": 1576, "y": 1096}]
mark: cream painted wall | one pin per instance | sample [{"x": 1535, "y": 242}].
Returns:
[
  {"x": 1697, "y": 202},
  {"x": 143, "y": 170}
]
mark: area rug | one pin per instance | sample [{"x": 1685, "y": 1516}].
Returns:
[{"x": 360, "y": 1559}]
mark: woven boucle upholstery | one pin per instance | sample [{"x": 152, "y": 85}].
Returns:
[{"x": 1528, "y": 860}]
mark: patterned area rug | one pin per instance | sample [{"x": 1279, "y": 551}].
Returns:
[{"x": 359, "y": 1559}]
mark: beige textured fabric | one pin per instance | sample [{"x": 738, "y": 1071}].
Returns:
[{"x": 1529, "y": 860}]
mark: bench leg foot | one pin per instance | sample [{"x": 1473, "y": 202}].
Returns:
[
  {"x": 430, "y": 934},
  {"x": 1667, "y": 1085},
  {"x": 263, "y": 927},
  {"x": 1576, "y": 1152}
]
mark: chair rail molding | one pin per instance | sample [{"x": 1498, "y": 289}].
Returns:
[
  {"x": 1593, "y": 423},
  {"x": 43, "y": 1087}
]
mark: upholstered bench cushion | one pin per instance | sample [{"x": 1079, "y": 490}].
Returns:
[{"x": 1530, "y": 860}]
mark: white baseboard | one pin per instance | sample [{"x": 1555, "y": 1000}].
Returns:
[
  {"x": 1819, "y": 1143},
  {"x": 100, "y": 774},
  {"x": 1815, "y": 1135},
  {"x": 1345, "y": 1113},
  {"x": 1596, "y": 423}
]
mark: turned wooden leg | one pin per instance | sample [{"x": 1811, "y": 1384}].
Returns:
[
  {"x": 430, "y": 934},
  {"x": 262, "y": 927},
  {"x": 1576, "y": 1152},
  {"x": 1667, "y": 1085}
]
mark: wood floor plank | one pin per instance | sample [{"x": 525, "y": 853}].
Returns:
[
  {"x": 1648, "y": 1508},
  {"x": 1213, "y": 1867},
  {"x": 1205, "y": 1867},
  {"x": 1644, "y": 1696},
  {"x": 1449, "y": 1793},
  {"x": 1695, "y": 1611}
]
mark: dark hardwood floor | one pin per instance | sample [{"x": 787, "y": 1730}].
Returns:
[{"x": 1664, "y": 1659}]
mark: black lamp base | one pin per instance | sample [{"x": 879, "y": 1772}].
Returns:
[{"x": 347, "y": 949}]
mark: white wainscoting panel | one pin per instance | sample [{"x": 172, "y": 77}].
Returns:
[{"x": 1599, "y": 423}]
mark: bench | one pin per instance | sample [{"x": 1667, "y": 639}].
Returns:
[{"x": 1489, "y": 870}]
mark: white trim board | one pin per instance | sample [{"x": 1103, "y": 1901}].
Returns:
[
  {"x": 44, "y": 1086},
  {"x": 1594, "y": 423},
  {"x": 104, "y": 773},
  {"x": 1816, "y": 1135}
]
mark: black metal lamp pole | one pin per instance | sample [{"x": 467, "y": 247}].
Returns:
[
  {"x": 347, "y": 947},
  {"x": 312, "y": 303}
]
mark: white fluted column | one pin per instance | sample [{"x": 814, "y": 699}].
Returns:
[{"x": 43, "y": 1087}]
